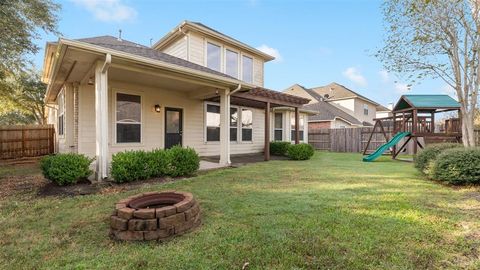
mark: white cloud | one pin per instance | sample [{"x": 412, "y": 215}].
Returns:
[
  {"x": 108, "y": 10},
  {"x": 402, "y": 88},
  {"x": 384, "y": 75},
  {"x": 355, "y": 76},
  {"x": 271, "y": 51}
]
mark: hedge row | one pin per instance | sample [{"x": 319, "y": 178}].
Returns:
[
  {"x": 450, "y": 163},
  {"x": 302, "y": 151},
  {"x": 130, "y": 166}
]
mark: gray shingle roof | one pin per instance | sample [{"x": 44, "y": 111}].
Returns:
[
  {"x": 140, "y": 50},
  {"x": 327, "y": 112},
  {"x": 337, "y": 91}
]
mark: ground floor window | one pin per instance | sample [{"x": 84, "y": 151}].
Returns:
[
  {"x": 128, "y": 118},
  {"x": 247, "y": 125},
  {"x": 237, "y": 115},
  {"x": 213, "y": 123},
  {"x": 300, "y": 126},
  {"x": 278, "y": 127},
  {"x": 233, "y": 124}
]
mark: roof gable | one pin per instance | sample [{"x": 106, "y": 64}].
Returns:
[{"x": 183, "y": 28}]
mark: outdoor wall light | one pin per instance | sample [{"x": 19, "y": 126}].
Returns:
[{"x": 157, "y": 108}]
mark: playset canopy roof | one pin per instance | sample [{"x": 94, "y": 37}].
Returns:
[{"x": 426, "y": 102}]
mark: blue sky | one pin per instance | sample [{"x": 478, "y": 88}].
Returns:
[{"x": 316, "y": 42}]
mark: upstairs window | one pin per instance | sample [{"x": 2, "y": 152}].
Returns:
[
  {"x": 247, "y": 124},
  {"x": 231, "y": 63},
  {"x": 278, "y": 127},
  {"x": 247, "y": 69},
  {"x": 214, "y": 56},
  {"x": 128, "y": 118},
  {"x": 300, "y": 126},
  {"x": 365, "y": 109}
]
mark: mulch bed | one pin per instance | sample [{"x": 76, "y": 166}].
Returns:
[{"x": 105, "y": 187}]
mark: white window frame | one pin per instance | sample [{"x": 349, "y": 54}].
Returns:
[
  {"x": 253, "y": 65},
  {"x": 366, "y": 110},
  {"x": 115, "y": 122},
  {"x": 241, "y": 124},
  {"x": 61, "y": 97},
  {"x": 277, "y": 129},
  {"x": 222, "y": 54},
  {"x": 300, "y": 116},
  {"x": 239, "y": 109},
  {"x": 239, "y": 55}
]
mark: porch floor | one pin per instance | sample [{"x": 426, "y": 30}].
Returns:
[{"x": 211, "y": 162}]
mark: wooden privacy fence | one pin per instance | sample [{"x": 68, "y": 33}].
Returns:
[
  {"x": 26, "y": 141},
  {"x": 346, "y": 139},
  {"x": 353, "y": 139}
]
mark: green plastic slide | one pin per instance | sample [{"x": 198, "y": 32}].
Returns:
[{"x": 386, "y": 146}]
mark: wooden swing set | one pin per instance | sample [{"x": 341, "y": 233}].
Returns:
[{"x": 416, "y": 114}]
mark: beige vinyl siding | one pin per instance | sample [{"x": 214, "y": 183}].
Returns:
[
  {"x": 258, "y": 72},
  {"x": 86, "y": 120},
  {"x": 197, "y": 49},
  {"x": 153, "y": 122},
  {"x": 178, "y": 48},
  {"x": 339, "y": 123},
  {"x": 372, "y": 111}
]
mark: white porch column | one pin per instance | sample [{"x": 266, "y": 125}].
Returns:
[
  {"x": 225, "y": 127},
  {"x": 101, "y": 117}
]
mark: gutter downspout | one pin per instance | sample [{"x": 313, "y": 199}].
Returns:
[{"x": 239, "y": 87}]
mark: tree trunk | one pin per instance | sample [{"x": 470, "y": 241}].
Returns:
[{"x": 468, "y": 133}]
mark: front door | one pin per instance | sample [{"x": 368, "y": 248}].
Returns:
[{"x": 173, "y": 127}]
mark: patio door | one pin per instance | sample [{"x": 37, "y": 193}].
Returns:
[{"x": 173, "y": 127}]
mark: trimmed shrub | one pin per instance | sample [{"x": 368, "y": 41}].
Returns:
[
  {"x": 425, "y": 158},
  {"x": 302, "y": 151},
  {"x": 158, "y": 163},
  {"x": 183, "y": 161},
  {"x": 66, "y": 169},
  {"x": 130, "y": 166},
  {"x": 279, "y": 148},
  {"x": 458, "y": 166},
  {"x": 139, "y": 165}
]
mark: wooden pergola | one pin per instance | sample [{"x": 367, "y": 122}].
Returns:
[
  {"x": 267, "y": 99},
  {"x": 416, "y": 114}
]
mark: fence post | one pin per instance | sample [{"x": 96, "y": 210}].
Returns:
[{"x": 23, "y": 142}]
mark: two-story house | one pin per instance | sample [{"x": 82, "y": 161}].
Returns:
[
  {"x": 195, "y": 87},
  {"x": 338, "y": 106}
]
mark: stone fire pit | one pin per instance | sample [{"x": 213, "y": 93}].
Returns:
[{"x": 154, "y": 216}]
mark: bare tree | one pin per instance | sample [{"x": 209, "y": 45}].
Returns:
[{"x": 439, "y": 39}]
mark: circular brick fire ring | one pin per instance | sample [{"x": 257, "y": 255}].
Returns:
[{"x": 154, "y": 216}]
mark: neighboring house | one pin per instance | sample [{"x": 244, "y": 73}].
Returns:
[
  {"x": 195, "y": 87},
  {"x": 329, "y": 116},
  {"x": 360, "y": 107}
]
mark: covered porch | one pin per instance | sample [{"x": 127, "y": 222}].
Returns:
[{"x": 114, "y": 92}]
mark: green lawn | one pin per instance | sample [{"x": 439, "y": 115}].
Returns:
[{"x": 331, "y": 212}]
